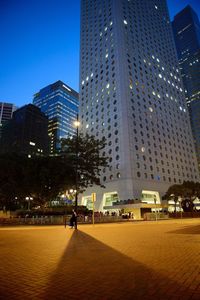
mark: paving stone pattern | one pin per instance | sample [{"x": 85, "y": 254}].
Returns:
[{"x": 136, "y": 260}]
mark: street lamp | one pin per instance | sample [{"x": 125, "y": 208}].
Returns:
[
  {"x": 76, "y": 124},
  {"x": 29, "y": 199},
  {"x": 71, "y": 194},
  {"x": 155, "y": 207}
]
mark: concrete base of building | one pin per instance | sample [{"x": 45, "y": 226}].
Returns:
[{"x": 124, "y": 190}]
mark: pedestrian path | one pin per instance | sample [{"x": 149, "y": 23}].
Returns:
[{"x": 147, "y": 260}]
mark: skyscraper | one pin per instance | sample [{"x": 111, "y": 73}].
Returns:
[
  {"x": 131, "y": 92},
  {"x": 60, "y": 103},
  {"x": 6, "y": 112},
  {"x": 26, "y": 133},
  {"x": 186, "y": 28}
]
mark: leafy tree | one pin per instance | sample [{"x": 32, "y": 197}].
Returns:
[
  {"x": 12, "y": 176},
  {"x": 85, "y": 155},
  {"x": 47, "y": 177},
  {"x": 187, "y": 191},
  {"x": 43, "y": 178}
]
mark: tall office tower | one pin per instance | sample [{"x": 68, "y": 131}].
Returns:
[
  {"x": 60, "y": 103},
  {"x": 26, "y": 133},
  {"x": 186, "y": 28},
  {"x": 131, "y": 92},
  {"x": 6, "y": 112}
]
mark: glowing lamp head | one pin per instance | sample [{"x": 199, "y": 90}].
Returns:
[{"x": 76, "y": 123}]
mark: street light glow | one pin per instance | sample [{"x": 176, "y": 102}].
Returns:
[{"x": 77, "y": 123}]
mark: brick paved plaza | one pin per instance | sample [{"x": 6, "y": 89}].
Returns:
[{"x": 138, "y": 260}]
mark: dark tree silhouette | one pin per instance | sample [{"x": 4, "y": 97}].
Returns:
[
  {"x": 187, "y": 191},
  {"x": 43, "y": 178},
  {"x": 85, "y": 154}
]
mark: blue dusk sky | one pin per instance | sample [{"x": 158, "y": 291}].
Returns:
[{"x": 39, "y": 45}]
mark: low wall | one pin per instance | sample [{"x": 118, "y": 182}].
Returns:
[{"x": 59, "y": 220}]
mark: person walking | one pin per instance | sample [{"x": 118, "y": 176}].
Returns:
[
  {"x": 73, "y": 219},
  {"x": 65, "y": 220}
]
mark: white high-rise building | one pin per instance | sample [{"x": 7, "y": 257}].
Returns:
[{"x": 131, "y": 92}]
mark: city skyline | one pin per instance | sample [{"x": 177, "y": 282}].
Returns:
[{"x": 41, "y": 45}]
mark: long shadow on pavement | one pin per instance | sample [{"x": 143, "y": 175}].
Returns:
[
  {"x": 90, "y": 269},
  {"x": 187, "y": 230}
]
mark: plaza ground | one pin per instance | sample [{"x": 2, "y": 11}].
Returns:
[{"x": 135, "y": 260}]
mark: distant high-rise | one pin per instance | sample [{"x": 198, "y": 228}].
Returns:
[
  {"x": 186, "y": 28},
  {"x": 6, "y": 112},
  {"x": 131, "y": 92},
  {"x": 26, "y": 133},
  {"x": 60, "y": 103}
]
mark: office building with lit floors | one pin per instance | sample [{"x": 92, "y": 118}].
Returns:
[
  {"x": 186, "y": 28},
  {"x": 131, "y": 92},
  {"x": 26, "y": 133},
  {"x": 60, "y": 103}
]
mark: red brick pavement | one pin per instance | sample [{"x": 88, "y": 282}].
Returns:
[{"x": 146, "y": 260}]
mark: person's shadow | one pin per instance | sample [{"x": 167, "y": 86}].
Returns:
[{"x": 90, "y": 269}]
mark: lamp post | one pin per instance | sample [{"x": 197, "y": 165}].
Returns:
[
  {"x": 155, "y": 207},
  {"x": 29, "y": 199},
  {"x": 71, "y": 194},
  {"x": 77, "y": 124}
]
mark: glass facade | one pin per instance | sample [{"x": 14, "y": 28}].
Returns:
[
  {"x": 60, "y": 103},
  {"x": 186, "y": 28}
]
